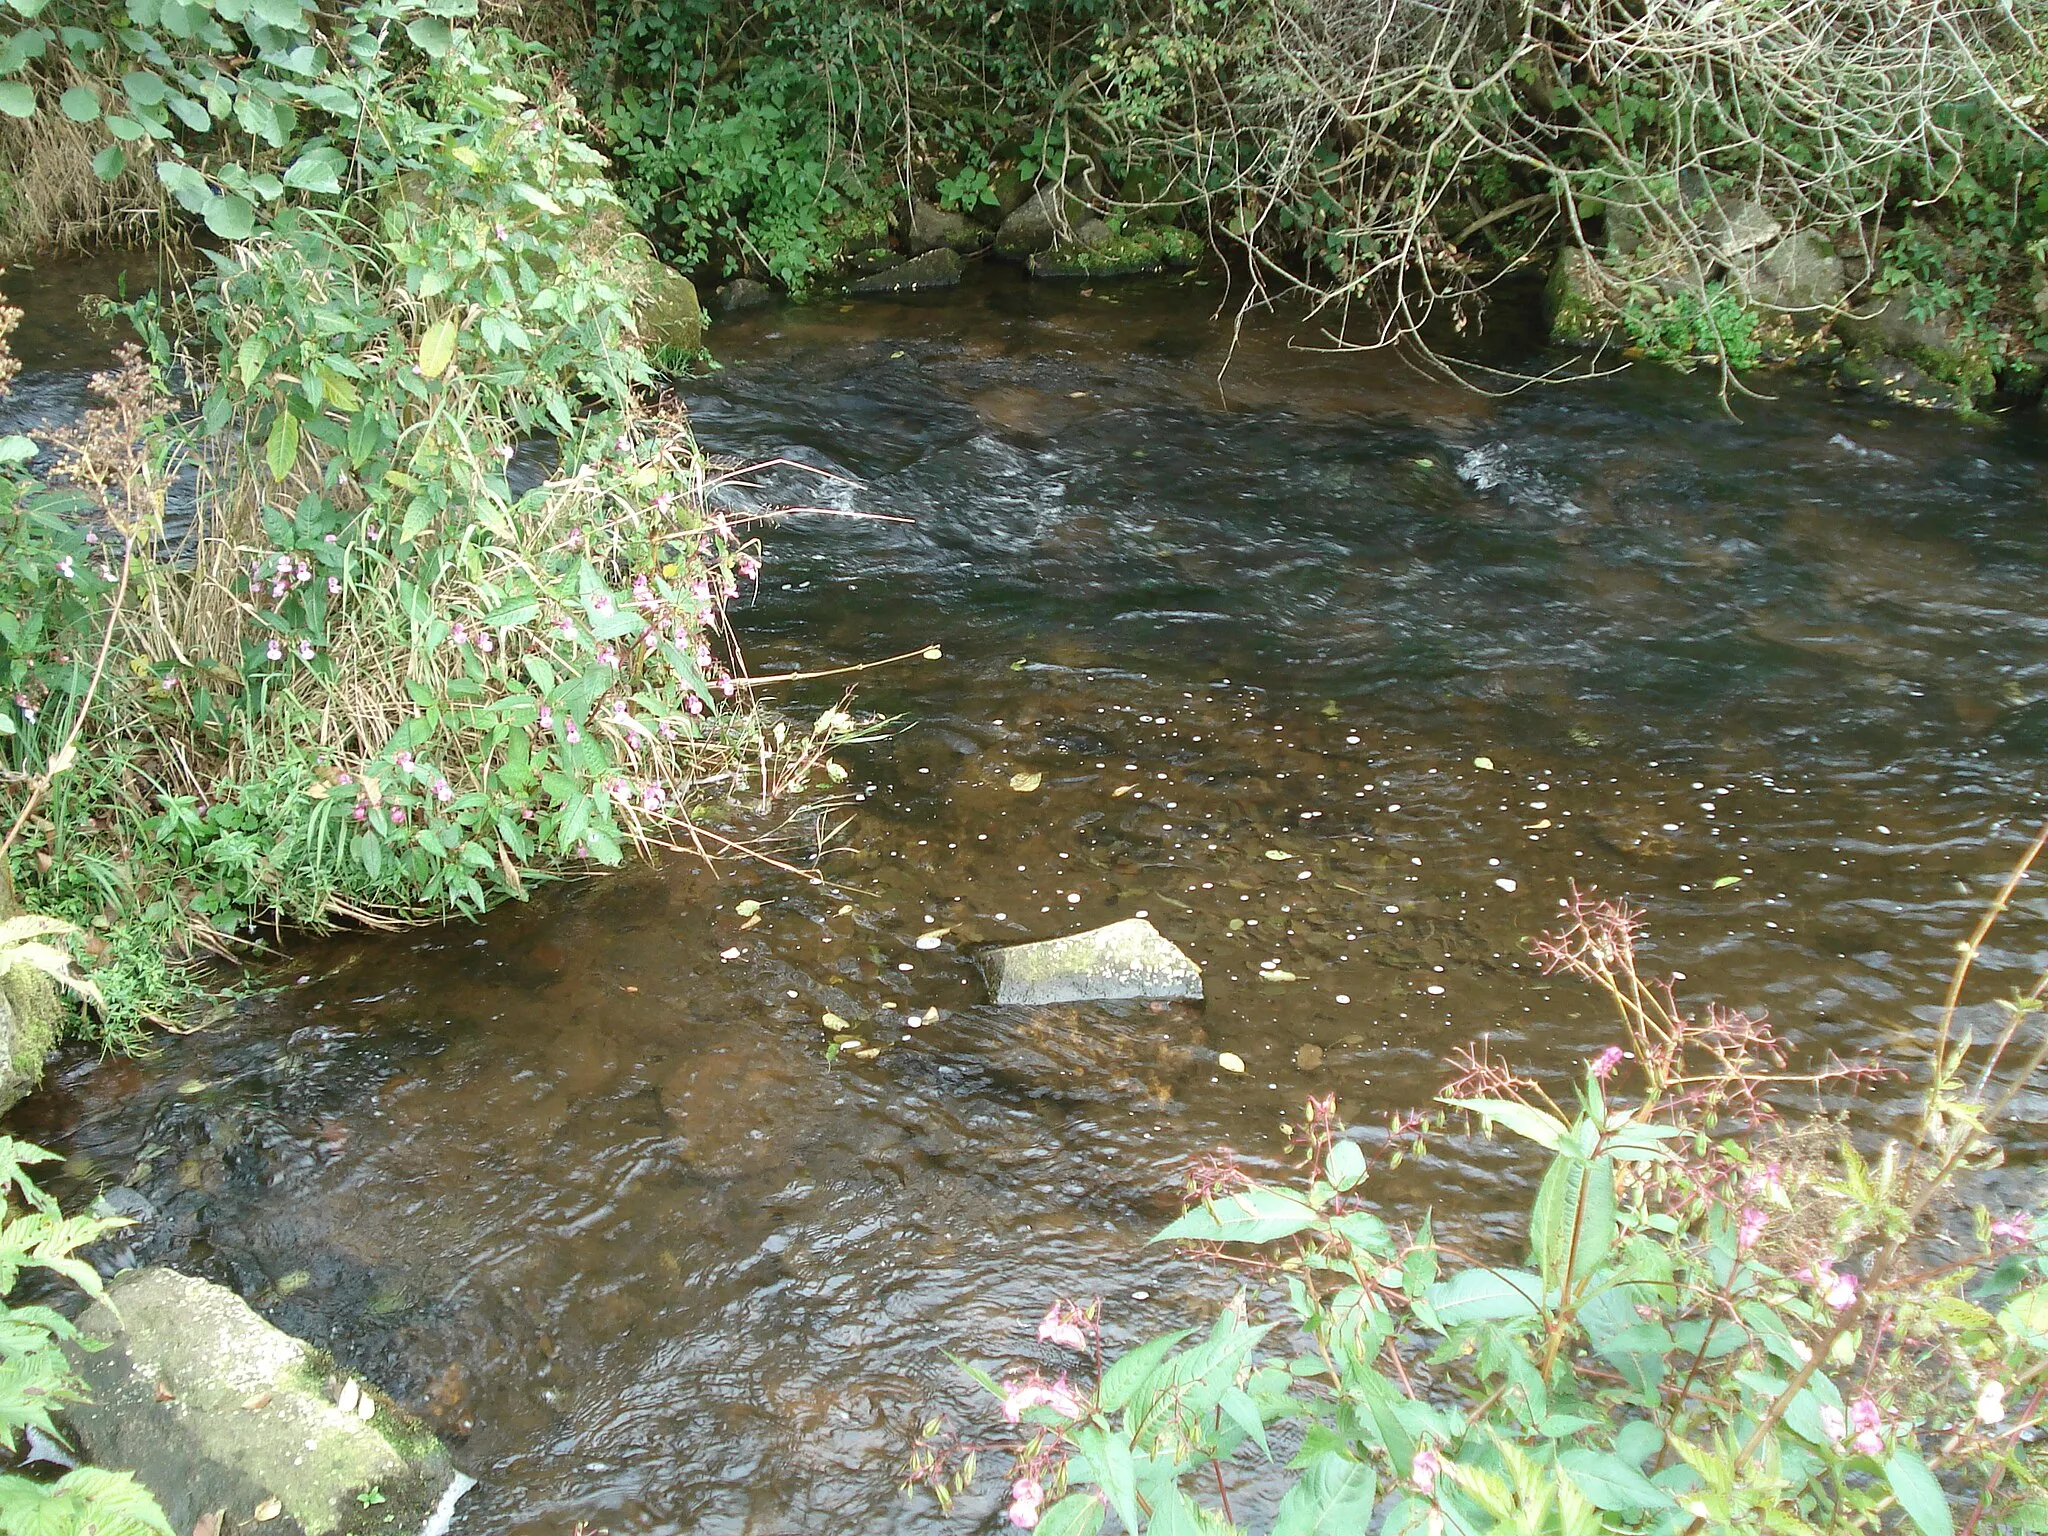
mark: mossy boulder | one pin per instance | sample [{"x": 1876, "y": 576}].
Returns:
[
  {"x": 32, "y": 1015},
  {"x": 1940, "y": 343},
  {"x": 665, "y": 308},
  {"x": 1098, "y": 251},
  {"x": 212, "y": 1408}
]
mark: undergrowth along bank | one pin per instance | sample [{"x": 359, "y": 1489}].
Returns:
[
  {"x": 1392, "y": 159},
  {"x": 281, "y": 640}
]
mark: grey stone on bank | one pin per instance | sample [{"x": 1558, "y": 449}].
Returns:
[
  {"x": 931, "y": 228},
  {"x": 934, "y": 269},
  {"x": 1130, "y": 959},
  {"x": 743, "y": 293},
  {"x": 1800, "y": 273},
  {"x": 1038, "y": 221},
  {"x": 1896, "y": 379},
  {"x": 213, "y": 1408}
]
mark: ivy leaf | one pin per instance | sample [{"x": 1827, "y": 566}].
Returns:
[
  {"x": 1918, "y": 1493},
  {"x": 17, "y": 100},
  {"x": 109, "y": 163},
  {"x": 81, "y": 104},
  {"x": 229, "y": 216},
  {"x": 437, "y": 348}
]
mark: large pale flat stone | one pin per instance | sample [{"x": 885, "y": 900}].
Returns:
[
  {"x": 213, "y": 1408},
  {"x": 1124, "y": 960}
]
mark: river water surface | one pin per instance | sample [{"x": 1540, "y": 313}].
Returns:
[{"x": 1330, "y": 669}]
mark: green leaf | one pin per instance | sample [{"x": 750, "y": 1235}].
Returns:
[
  {"x": 1525, "y": 1120},
  {"x": 1346, "y": 1165},
  {"x": 126, "y": 129},
  {"x": 1129, "y": 1372},
  {"x": 17, "y": 100},
  {"x": 1260, "y": 1214},
  {"x": 1485, "y": 1295},
  {"x": 110, "y": 162},
  {"x": 230, "y": 217},
  {"x": 1611, "y": 1483},
  {"x": 1078, "y": 1514},
  {"x": 431, "y": 35},
  {"x": 145, "y": 88},
  {"x": 1573, "y": 1216},
  {"x": 437, "y": 348},
  {"x": 1334, "y": 1498},
  {"x": 281, "y": 452},
  {"x": 16, "y": 449},
  {"x": 1918, "y": 1493},
  {"x": 317, "y": 170},
  {"x": 81, "y": 104},
  {"x": 185, "y": 184},
  {"x": 29, "y": 43},
  {"x": 288, "y": 14}
]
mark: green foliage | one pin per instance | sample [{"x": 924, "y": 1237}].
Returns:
[
  {"x": 1722, "y": 1326},
  {"x": 374, "y": 682},
  {"x": 1687, "y": 329},
  {"x": 35, "y": 1378}
]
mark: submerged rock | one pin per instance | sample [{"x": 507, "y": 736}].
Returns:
[
  {"x": 214, "y": 1409},
  {"x": 934, "y": 269},
  {"x": 1130, "y": 959},
  {"x": 744, "y": 293}
]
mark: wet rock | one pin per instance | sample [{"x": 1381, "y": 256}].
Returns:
[
  {"x": 934, "y": 269},
  {"x": 1800, "y": 273},
  {"x": 665, "y": 308},
  {"x": 31, "y": 1016},
  {"x": 1936, "y": 344},
  {"x": 1098, "y": 251},
  {"x": 929, "y": 227},
  {"x": 214, "y": 1409},
  {"x": 743, "y": 293},
  {"x": 1037, "y": 222},
  {"x": 1124, "y": 960},
  {"x": 1897, "y": 379}
]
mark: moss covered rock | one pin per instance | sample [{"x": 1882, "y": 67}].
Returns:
[
  {"x": 1938, "y": 342},
  {"x": 212, "y": 1408},
  {"x": 1099, "y": 251},
  {"x": 32, "y": 1017},
  {"x": 1581, "y": 300}
]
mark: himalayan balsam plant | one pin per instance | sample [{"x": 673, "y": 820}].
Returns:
[{"x": 1729, "y": 1319}]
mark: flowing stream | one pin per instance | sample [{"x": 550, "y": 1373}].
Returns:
[{"x": 1331, "y": 669}]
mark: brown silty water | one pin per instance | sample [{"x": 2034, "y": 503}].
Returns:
[{"x": 580, "y": 1182}]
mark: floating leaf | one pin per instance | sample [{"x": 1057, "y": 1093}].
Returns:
[
  {"x": 1230, "y": 1061},
  {"x": 1277, "y": 974},
  {"x": 1024, "y": 783},
  {"x": 268, "y": 1510},
  {"x": 932, "y": 653},
  {"x": 748, "y": 907},
  {"x": 1275, "y": 853},
  {"x": 1483, "y": 762},
  {"x": 932, "y": 939},
  {"x": 834, "y": 772},
  {"x": 1725, "y": 881},
  {"x": 832, "y": 1021}
]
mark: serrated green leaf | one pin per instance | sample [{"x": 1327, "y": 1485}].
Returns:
[
  {"x": 110, "y": 163},
  {"x": 1525, "y": 1120},
  {"x": 1129, "y": 1371},
  {"x": 16, "y": 99},
  {"x": 1610, "y": 1483},
  {"x": 81, "y": 104},
  {"x": 1333, "y": 1498},
  {"x": 281, "y": 451},
  {"x": 1078, "y": 1514},
  {"x": 437, "y": 348},
  {"x": 1485, "y": 1295},
  {"x": 1261, "y": 1214},
  {"x": 1917, "y": 1491}
]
